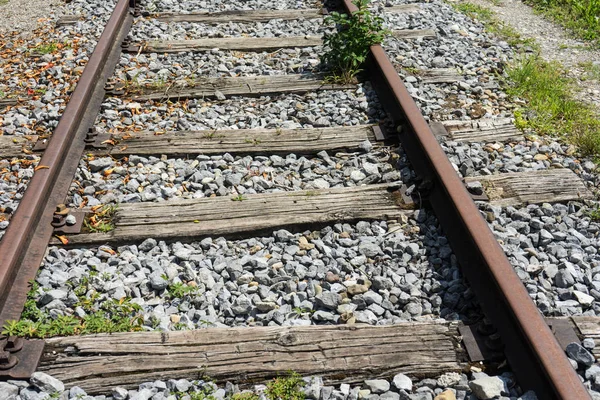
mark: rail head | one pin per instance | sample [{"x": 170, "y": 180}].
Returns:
[
  {"x": 531, "y": 349},
  {"x": 24, "y": 244}
]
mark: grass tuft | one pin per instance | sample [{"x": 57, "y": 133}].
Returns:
[
  {"x": 46, "y": 48},
  {"x": 108, "y": 317},
  {"x": 551, "y": 106},
  {"x": 493, "y": 25},
  {"x": 582, "y": 17},
  {"x": 286, "y": 388}
]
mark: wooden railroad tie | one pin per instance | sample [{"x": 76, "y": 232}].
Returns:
[
  {"x": 252, "y": 86},
  {"x": 340, "y": 354},
  {"x": 253, "y": 43}
]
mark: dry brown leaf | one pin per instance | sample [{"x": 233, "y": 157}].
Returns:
[{"x": 63, "y": 239}]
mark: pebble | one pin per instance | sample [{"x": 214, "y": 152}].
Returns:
[
  {"x": 46, "y": 383},
  {"x": 488, "y": 387},
  {"x": 402, "y": 382},
  {"x": 578, "y": 353}
]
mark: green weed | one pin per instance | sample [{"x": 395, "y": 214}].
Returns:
[
  {"x": 46, "y": 48},
  {"x": 179, "y": 290},
  {"x": 348, "y": 47},
  {"x": 239, "y": 197},
  {"x": 245, "y": 396},
  {"x": 591, "y": 71},
  {"x": 595, "y": 214},
  {"x": 107, "y": 317},
  {"x": 551, "y": 106},
  {"x": 493, "y": 25},
  {"x": 582, "y": 17},
  {"x": 286, "y": 388}
]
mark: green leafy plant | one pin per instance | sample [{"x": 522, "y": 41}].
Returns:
[
  {"x": 286, "y": 388},
  {"x": 239, "y": 197},
  {"x": 245, "y": 396},
  {"x": 46, "y": 48},
  {"x": 107, "y": 317},
  {"x": 348, "y": 47},
  {"x": 179, "y": 290},
  {"x": 594, "y": 214},
  {"x": 302, "y": 310}
]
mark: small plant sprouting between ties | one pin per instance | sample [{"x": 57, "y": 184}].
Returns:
[{"x": 348, "y": 47}]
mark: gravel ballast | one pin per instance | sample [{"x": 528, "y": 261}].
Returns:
[
  {"x": 138, "y": 179},
  {"x": 375, "y": 273},
  {"x": 449, "y": 386}
]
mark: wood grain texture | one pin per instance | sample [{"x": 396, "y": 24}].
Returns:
[
  {"x": 240, "y": 44},
  {"x": 253, "y": 43},
  {"x": 261, "y": 213},
  {"x": 404, "y": 8},
  {"x": 414, "y": 34},
  {"x": 14, "y": 146},
  {"x": 589, "y": 327},
  {"x": 439, "y": 75},
  {"x": 341, "y": 354},
  {"x": 240, "y": 16},
  {"x": 483, "y": 130},
  {"x": 68, "y": 20},
  {"x": 8, "y": 102},
  {"x": 236, "y": 86},
  {"x": 533, "y": 187},
  {"x": 242, "y": 141}
]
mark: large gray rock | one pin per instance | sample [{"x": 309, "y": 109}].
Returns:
[
  {"x": 402, "y": 382},
  {"x": 377, "y": 385},
  {"x": 580, "y": 354},
  {"x": 8, "y": 391},
  {"x": 328, "y": 300},
  {"x": 119, "y": 393},
  {"x": 487, "y": 387},
  {"x": 46, "y": 383},
  {"x": 312, "y": 387}
]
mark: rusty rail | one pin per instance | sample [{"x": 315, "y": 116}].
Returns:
[
  {"x": 530, "y": 347},
  {"x": 534, "y": 354},
  {"x": 24, "y": 244}
]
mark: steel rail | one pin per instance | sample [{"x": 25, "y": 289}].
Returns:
[
  {"x": 24, "y": 244},
  {"x": 530, "y": 347}
]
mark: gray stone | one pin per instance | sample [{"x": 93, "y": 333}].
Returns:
[
  {"x": 402, "y": 382},
  {"x": 8, "y": 391},
  {"x": 389, "y": 396},
  {"x": 312, "y": 387},
  {"x": 46, "y": 383},
  {"x": 119, "y": 393},
  {"x": 366, "y": 146},
  {"x": 328, "y": 300},
  {"x": 588, "y": 343},
  {"x": 487, "y": 387},
  {"x": 377, "y": 385},
  {"x": 157, "y": 282},
  {"x": 98, "y": 164},
  {"x": 580, "y": 354},
  {"x": 369, "y": 249}
]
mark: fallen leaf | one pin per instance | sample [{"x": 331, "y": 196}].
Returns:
[
  {"x": 63, "y": 239},
  {"x": 41, "y": 167}
]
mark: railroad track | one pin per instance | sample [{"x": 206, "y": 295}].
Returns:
[{"x": 378, "y": 215}]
